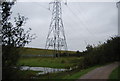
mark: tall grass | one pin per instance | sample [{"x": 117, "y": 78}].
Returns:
[{"x": 62, "y": 62}]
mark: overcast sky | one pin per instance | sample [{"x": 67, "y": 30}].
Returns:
[{"x": 84, "y": 22}]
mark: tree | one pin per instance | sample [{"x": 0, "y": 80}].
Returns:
[
  {"x": 89, "y": 47},
  {"x": 13, "y": 38},
  {"x": 77, "y": 51}
]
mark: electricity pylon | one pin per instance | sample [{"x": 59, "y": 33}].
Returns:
[{"x": 56, "y": 36}]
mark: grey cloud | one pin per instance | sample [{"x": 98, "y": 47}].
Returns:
[{"x": 91, "y": 22}]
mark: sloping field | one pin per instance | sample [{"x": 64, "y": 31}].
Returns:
[
  {"x": 62, "y": 62},
  {"x": 37, "y": 51}
]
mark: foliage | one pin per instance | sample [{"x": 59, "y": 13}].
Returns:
[
  {"x": 13, "y": 37},
  {"x": 89, "y": 47},
  {"x": 101, "y": 54}
]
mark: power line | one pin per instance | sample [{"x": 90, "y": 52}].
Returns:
[
  {"x": 37, "y": 4},
  {"x": 85, "y": 26}
]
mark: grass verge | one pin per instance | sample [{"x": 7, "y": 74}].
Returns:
[
  {"x": 115, "y": 73},
  {"x": 28, "y": 74},
  {"x": 80, "y": 73}
]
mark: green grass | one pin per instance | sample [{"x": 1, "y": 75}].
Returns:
[
  {"x": 37, "y": 51},
  {"x": 27, "y": 74},
  {"x": 62, "y": 62},
  {"x": 115, "y": 73},
  {"x": 71, "y": 75}
]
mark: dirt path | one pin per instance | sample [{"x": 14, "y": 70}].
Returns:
[{"x": 101, "y": 72}]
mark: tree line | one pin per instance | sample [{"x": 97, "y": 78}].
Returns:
[{"x": 104, "y": 53}]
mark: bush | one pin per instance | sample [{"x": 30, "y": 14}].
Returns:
[{"x": 104, "y": 53}]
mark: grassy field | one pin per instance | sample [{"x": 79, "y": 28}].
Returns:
[
  {"x": 37, "y": 51},
  {"x": 62, "y": 62},
  {"x": 115, "y": 73}
]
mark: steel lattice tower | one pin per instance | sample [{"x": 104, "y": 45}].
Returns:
[{"x": 56, "y": 36}]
